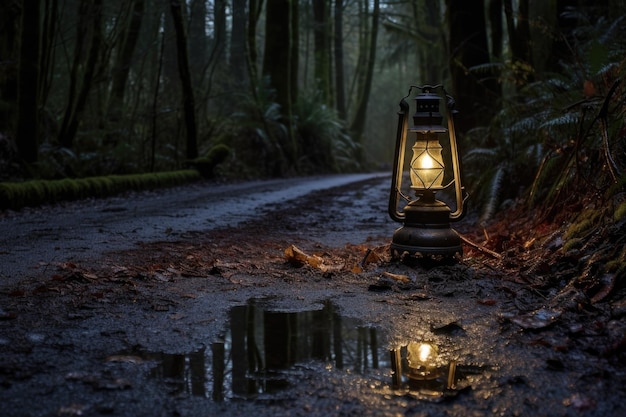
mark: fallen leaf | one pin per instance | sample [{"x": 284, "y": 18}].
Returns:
[
  {"x": 124, "y": 358},
  {"x": 297, "y": 257},
  {"x": 397, "y": 277},
  {"x": 537, "y": 319},
  {"x": 607, "y": 282},
  {"x": 73, "y": 410}
]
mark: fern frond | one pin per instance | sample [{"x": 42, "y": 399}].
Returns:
[
  {"x": 494, "y": 194},
  {"x": 567, "y": 120},
  {"x": 480, "y": 154},
  {"x": 524, "y": 125}
]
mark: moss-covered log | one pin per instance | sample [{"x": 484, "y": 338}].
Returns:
[{"x": 16, "y": 195}]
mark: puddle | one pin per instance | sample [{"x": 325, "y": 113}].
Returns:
[{"x": 264, "y": 351}]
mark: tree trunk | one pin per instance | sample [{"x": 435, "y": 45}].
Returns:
[
  {"x": 9, "y": 53},
  {"x": 177, "y": 9},
  {"x": 519, "y": 41},
  {"x": 254, "y": 13},
  {"x": 90, "y": 16},
  {"x": 198, "y": 50},
  {"x": 27, "y": 131},
  {"x": 238, "y": 42},
  {"x": 123, "y": 61},
  {"x": 219, "y": 32},
  {"x": 468, "y": 48},
  {"x": 321, "y": 42},
  {"x": 280, "y": 61},
  {"x": 48, "y": 40},
  {"x": 495, "y": 23},
  {"x": 358, "y": 123},
  {"x": 340, "y": 88}
]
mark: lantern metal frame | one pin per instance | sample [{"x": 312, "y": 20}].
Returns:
[{"x": 426, "y": 221}]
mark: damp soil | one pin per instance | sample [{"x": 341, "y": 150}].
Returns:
[{"x": 229, "y": 322}]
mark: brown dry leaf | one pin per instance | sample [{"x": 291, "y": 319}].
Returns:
[
  {"x": 537, "y": 319},
  {"x": 298, "y": 258},
  {"x": 189, "y": 295},
  {"x": 371, "y": 258},
  {"x": 397, "y": 277}
]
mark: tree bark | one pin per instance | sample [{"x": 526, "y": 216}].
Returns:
[
  {"x": 280, "y": 61},
  {"x": 254, "y": 13},
  {"x": 124, "y": 59},
  {"x": 340, "y": 87},
  {"x": 176, "y": 7},
  {"x": 9, "y": 53},
  {"x": 199, "y": 52},
  {"x": 238, "y": 41},
  {"x": 321, "y": 42},
  {"x": 468, "y": 48},
  {"x": 358, "y": 123},
  {"x": 27, "y": 131},
  {"x": 519, "y": 40},
  {"x": 90, "y": 15}
]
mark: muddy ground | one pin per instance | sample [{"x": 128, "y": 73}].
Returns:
[{"x": 225, "y": 322}]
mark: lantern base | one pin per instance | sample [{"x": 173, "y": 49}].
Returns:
[{"x": 426, "y": 231}]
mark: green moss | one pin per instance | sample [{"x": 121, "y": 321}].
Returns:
[
  {"x": 207, "y": 163},
  {"x": 15, "y": 195},
  {"x": 585, "y": 222},
  {"x": 620, "y": 212},
  {"x": 575, "y": 243}
]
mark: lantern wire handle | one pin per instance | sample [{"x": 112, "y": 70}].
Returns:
[{"x": 396, "y": 180}]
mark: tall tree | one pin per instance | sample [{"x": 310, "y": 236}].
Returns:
[
  {"x": 9, "y": 34},
  {"x": 495, "y": 26},
  {"x": 340, "y": 88},
  {"x": 280, "y": 60},
  {"x": 357, "y": 126},
  {"x": 468, "y": 48},
  {"x": 198, "y": 51},
  {"x": 177, "y": 9},
  {"x": 27, "y": 130},
  {"x": 123, "y": 60},
  {"x": 322, "y": 50},
  {"x": 238, "y": 41},
  {"x": 88, "y": 29},
  {"x": 518, "y": 29},
  {"x": 254, "y": 13}
]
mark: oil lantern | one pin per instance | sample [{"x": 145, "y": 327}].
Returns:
[{"x": 434, "y": 167}]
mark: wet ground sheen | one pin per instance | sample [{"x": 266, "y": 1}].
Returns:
[{"x": 216, "y": 321}]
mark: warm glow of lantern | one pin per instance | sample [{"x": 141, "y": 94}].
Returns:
[{"x": 427, "y": 168}]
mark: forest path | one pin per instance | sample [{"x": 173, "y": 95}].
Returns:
[
  {"x": 34, "y": 238},
  {"x": 191, "y": 305}
]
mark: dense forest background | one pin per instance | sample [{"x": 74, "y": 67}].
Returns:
[{"x": 294, "y": 87}]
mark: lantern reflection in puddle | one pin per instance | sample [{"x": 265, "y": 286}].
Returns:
[{"x": 428, "y": 370}]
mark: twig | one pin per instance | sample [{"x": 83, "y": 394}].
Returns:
[
  {"x": 603, "y": 116},
  {"x": 480, "y": 248}
]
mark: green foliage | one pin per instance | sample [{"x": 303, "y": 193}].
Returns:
[
  {"x": 566, "y": 133},
  {"x": 258, "y": 138},
  {"x": 325, "y": 145},
  {"x": 257, "y": 135}
]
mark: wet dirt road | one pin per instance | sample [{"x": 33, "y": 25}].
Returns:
[
  {"x": 204, "y": 321},
  {"x": 34, "y": 238}
]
